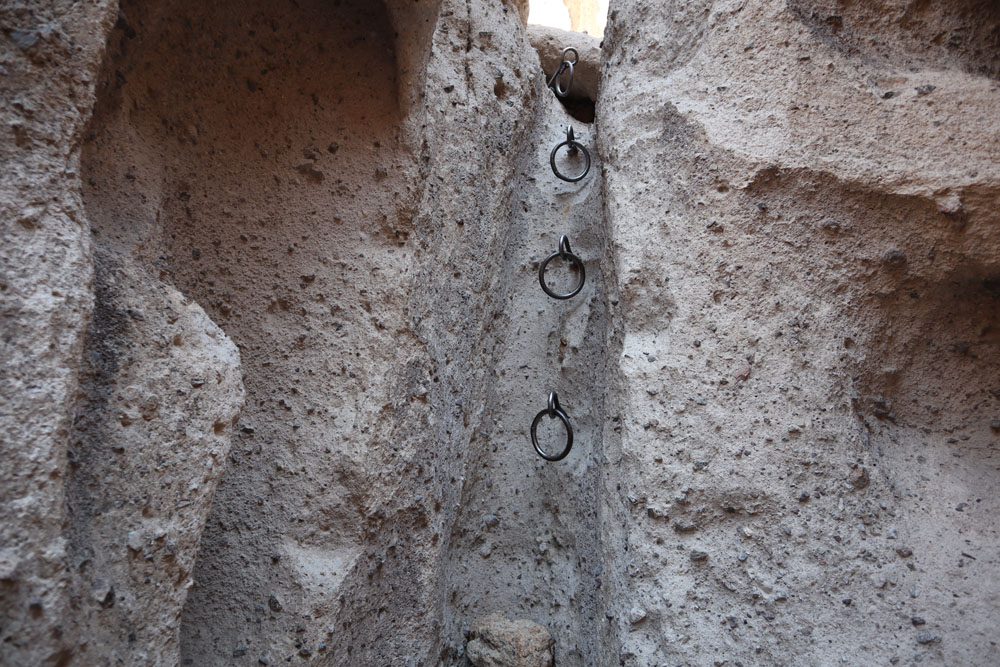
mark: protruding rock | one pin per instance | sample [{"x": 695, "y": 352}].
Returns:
[{"x": 499, "y": 642}]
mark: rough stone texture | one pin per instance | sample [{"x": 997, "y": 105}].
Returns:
[
  {"x": 298, "y": 170},
  {"x": 518, "y": 509},
  {"x": 522, "y": 7},
  {"x": 314, "y": 176},
  {"x": 327, "y": 217},
  {"x": 48, "y": 60},
  {"x": 162, "y": 391},
  {"x": 499, "y": 642},
  {"x": 802, "y": 214}
]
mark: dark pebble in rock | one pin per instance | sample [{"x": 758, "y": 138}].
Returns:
[
  {"x": 894, "y": 257},
  {"x": 24, "y": 39},
  {"x": 917, "y": 620},
  {"x": 685, "y": 526},
  {"x": 860, "y": 478},
  {"x": 928, "y": 638},
  {"x": 699, "y": 556}
]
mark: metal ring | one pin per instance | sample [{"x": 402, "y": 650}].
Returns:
[
  {"x": 554, "y": 82},
  {"x": 574, "y": 145},
  {"x": 576, "y": 56},
  {"x": 565, "y": 253},
  {"x": 553, "y": 411}
]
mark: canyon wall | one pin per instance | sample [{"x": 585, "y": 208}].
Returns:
[
  {"x": 273, "y": 335},
  {"x": 802, "y": 208}
]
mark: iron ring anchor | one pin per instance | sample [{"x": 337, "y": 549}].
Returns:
[
  {"x": 566, "y": 253},
  {"x": 574, "y": 146},
  {"x": 565, "y": 65},
  {"x": 553, "y": 411}
]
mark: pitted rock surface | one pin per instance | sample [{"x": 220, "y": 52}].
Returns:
[
  {"x": 499, "y": 642},
  {"x": 273, "y": 334}
]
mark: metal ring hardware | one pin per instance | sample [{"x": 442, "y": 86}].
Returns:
[
  {"x": 573, "y": 147},
  {"x": 566, "y": 65},
  {"x": 554, "y": 411},
  {"x": 566, "y": 253}
]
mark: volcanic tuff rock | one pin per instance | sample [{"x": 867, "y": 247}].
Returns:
[
  {"x": 499, "y": 642},
  {"x": 272, "y": 334},
  {"x": 802, "y": 210}
]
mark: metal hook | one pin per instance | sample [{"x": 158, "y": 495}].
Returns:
[
  {"x": 564, "y": 252},
  {"x": 573, "y": 146},
  {"x": 553, "y": 411},
  {"x": 564, "y": 248},
  {"x": 566, "y": 65},
  {"x": 571, "y": 138}
]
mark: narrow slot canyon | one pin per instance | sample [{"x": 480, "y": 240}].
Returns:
[{"x": 275, "y": 335}]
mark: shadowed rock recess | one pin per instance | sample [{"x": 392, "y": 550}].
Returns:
[{"x": 273, "y": 335}]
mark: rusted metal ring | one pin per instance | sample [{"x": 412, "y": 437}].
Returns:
[
  {"x": 574, "y": 146},
  {"x": 566, "y": 253},
  {"x": 553, "y": 411}
]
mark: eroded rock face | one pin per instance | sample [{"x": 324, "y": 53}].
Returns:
[
  {"x": 299, "y": 170},
  {"x": 274, "y": 165},
  {"x": 49, "y": 57},
  {"x": 162, "y": 391},
  {"x": 802, "y": 209},
  {"x": 499, "y": 642},
  {"x": 527, "y": 539},
  {"x": 326, "y": 219}
]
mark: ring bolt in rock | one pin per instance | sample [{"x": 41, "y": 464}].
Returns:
[
  {"x": 564, "y": 252},
  {"x": 573, "y": 147},
  {"x": 553, "y": 411},
  {"x": 566, "y": 65}
]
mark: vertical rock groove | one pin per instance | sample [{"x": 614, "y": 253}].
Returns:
[{"x": 527, "y": 542}]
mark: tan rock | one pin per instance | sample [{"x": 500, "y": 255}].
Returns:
[
  {"x": 162, "y": 390},
  {"x": 781, "y": 372},
  {"x": 499, "y": 642},
  {"x": 808, "y": 190}
]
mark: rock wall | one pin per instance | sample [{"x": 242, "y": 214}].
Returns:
[
  {"x": 802, "y": 209},
  {"x": 273, "y": 336},
  {"x": 49, "y": 59},
  {"x": 297, "y": 171}
]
